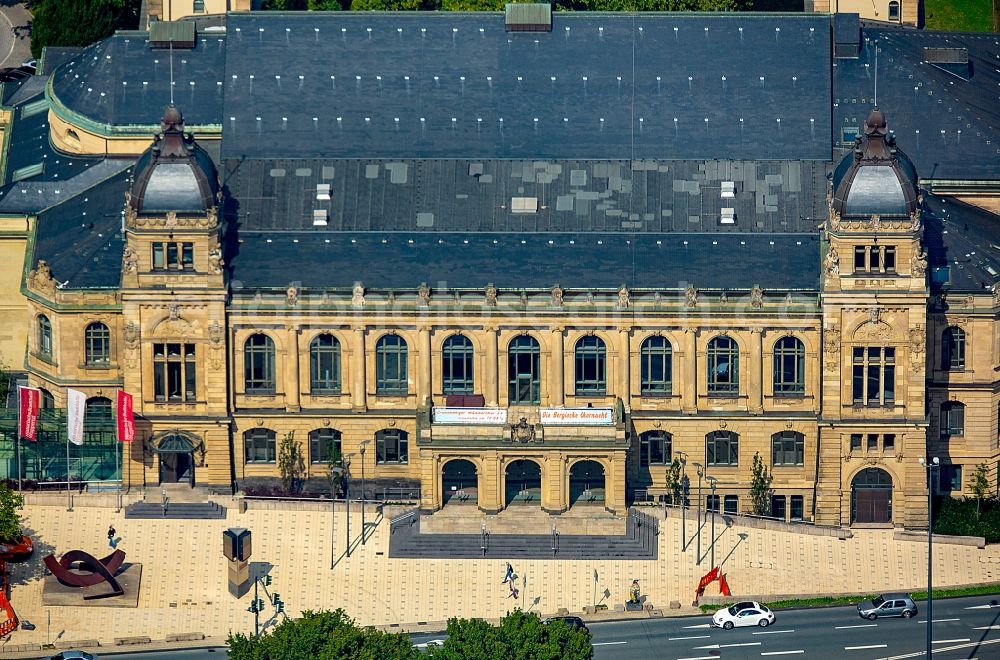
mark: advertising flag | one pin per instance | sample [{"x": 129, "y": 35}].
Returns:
[
  {"x": 76, "y": 405},
  {"x": 28, "y": 403},
  {"x": 126, "y": 421}
]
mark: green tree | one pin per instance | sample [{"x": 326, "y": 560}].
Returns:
[
  {"x": 980, "y": 485},
  {"x": 520, "y": 636},
  {"x": 10, "y": 522},
  {"x": 674, "y": 481},
  {"x": 335, "y": 475},
  {"x": 760, "y": 486},
  {"x": 291, "y": 463},
  {"x": 79, "y": 22},
  {"x": 322, "y": 635}
]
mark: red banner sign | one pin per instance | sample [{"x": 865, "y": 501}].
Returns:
[
  {"x": 28, "y": 402},
  {"x": 126, "y": 421}
]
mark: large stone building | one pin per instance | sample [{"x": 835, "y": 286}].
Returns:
[{"x": 480, "y": 259}]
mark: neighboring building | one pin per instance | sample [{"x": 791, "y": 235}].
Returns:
[
  {"x": 482, "y": 261},
  {"x": 900, "y": 12},
  {"x": 175, "y": 10}
]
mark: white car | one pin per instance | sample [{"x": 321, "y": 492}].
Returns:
[{"x": 743, "y": 614}]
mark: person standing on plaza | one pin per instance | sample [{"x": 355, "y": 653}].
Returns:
[
  {"x": 111, "y": 536},
  {"x": 509, "y": 575}
]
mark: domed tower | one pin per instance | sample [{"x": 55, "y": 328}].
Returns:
[
  {"x": 173, "y": 294},
  {"x": 874, "y": 297}
]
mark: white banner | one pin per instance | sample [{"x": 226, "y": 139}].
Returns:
[
  {"x": 470, "y": 415},
  {"x": 576, "y": 416},
  {"x": 76, "y": 406}
]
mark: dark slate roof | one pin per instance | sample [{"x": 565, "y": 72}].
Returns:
[
  {"x": 573, "y": 196},
  {"x": 525, "y": 260},
  {"x": 963, "y": 245},
  {"x": 81, "y": 237},
  {"x": 120, "y": 81},
  {"x": 684, "y": 86},
  {"x": 949, "y": 126}
]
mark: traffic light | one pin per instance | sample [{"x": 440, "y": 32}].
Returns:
[
  {"x": 267, "y": 580},
  {"x": 280, "y": 606},
  {"x": 275, "y": 598}
]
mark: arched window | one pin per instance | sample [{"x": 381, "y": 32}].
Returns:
[
  {"x": 655, "y": 448},
  {"x": 259, "y": 446},
  {"x": 390, "y": 365},
  {"x": 324, "y": 446},
  {"x": 953, "y": 349},
  {"x": 456, "y": 365},
  {"x": 952, "y": 419},
  {"x": 894, "y": 11},
  {"x": 789, "y": 367},
  {"x": 48, "y": 402},
  {"x": 324, "y": 365},
  {"x": 722, "y": 448},
  {"x": 523, "y": 367},
  {"x": 591, "y": 366},
  {"x": 97, "y": 344},
  {"x": 44, "y": 336},
  {"x": 655, "y": 367},
  {"x": 98, "y": 422},
  {"x": 258, "y": 364},
  {"x": 787, "y": 448},
  {"x": 392, "y": 446},
  {"x": 723, "y": 366}
]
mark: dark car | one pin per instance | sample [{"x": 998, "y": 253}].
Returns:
[
  {"x": 73, "y": 655},
  {"x": 571, "y": 621},
  {"x": 887, "y": 605}
]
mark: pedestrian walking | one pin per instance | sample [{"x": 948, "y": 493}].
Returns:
[
  {"x": 513, "y": 590},
  {"x": 509, "y": 575},
  {"x": 111, "y": 537}
]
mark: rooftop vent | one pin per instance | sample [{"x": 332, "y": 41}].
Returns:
[
  {"x": 728, "y": 217},
  {"x": 846, "y": 36},
  {"x": 178, "y": 34},
  {"x": 953, "y": 60},
  {"x": 319, "y": 218},
  {"x": 322, "y": 191},
  {"x": 728, "y": 189},
  {"x": 523, "y": 204},
  {"x": 528, "y": 17}
]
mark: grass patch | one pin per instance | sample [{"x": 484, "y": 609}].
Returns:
[
  {"x": 959, "y": 15},
  {"x": 834, "y": 601}
]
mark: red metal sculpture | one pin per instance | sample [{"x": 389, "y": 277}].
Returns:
[
  {"x": 10, "y": 552},
  {"x": 102, "y": 570}
]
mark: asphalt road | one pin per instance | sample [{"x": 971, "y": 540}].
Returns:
[
  {"x": 218, "y": 653},
  {"x": 963, "y": 628}
]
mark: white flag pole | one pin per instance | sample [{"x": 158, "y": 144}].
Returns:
[{"x": 118, "y": 442}]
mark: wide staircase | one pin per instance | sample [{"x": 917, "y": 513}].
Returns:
[
  {"x": 639, "y": 541},
  {"x": 177, "y": 502}
]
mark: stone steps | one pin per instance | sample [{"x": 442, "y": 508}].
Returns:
[{"x": 176, "y": 510}]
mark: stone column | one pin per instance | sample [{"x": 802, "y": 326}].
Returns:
[
  {"x": 424, "y": 355},
  {"x": 689, "y": 394},
  {"x": 625, "y": 351},
  {"x": 491, "y": 382},
  {"x": 756, "y": 392},
  {"x": 359, "y": 397},
  {"x": 292, "y": 384},
  {"x": 557, "y": 387}
]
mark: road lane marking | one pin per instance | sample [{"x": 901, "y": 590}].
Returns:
[
  {"x": 941, "y": 620},
  {"x": 606, "y": 643},
  {"x": 983, "y": 607},
  {"x": 782, "y": 652},
  {"x": 949, "y": 641},
  {"x": 870, "y": 646},
  {"x": 861, "y": 625},
  {"x": 957, "y": 647},
  {"x": 701, "y": 657},
  {"x": 701, "y": 625},
  {"x": 674, "y": 639},
  {"x": 726, "y": 646},
  {"x": 773, "y": 632},
  {"x": 987, "y": 628}
]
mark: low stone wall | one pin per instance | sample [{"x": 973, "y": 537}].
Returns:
[
  {"x": 921, "y": 537},
  {"x": 471, "y": 523},
  {"x": 103, "y": 500},
  {"x": 773, "y": 598},
  {"x": 752, "y": 522}
]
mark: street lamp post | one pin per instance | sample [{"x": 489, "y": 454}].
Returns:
[
  {"x": 683, "y": 459},
  {"x": 934, "y": 462},
  {"x": 364, "y": 528},
  {"x": 712, "y": 481},
  {"x": 334, "y": 470},
  {"x": 347, "y": 500},
  {"x": 701, "y": 473}
]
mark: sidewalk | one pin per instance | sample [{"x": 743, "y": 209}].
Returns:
[
  {"x": 184, "y": 574},
  {"x": 13, "y": 50}
]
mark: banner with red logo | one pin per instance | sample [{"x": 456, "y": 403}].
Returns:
[
  {"x": 29, "y": 399},
  {"x": 126, "y": 421}
]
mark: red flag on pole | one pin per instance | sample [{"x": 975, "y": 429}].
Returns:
[
  {"x": 126, "y": 421},
  {"x": 27, "y": 418}
]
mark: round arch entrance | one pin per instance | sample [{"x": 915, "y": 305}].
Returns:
[
  {"x": 523, "y": 483},
  {"x": 586, "y": 483},
  {"x": 459, "y": 482},
  {"x": 871, "y": 496}
]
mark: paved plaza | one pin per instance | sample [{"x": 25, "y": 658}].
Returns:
[{"x": 184, "y": 573}]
